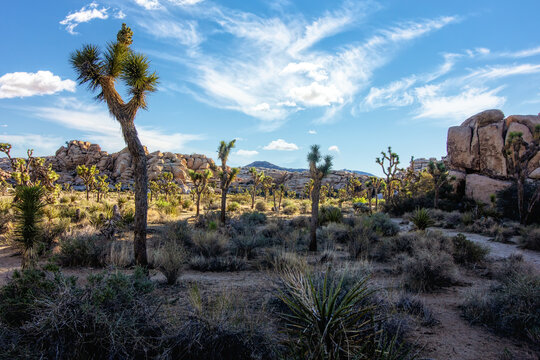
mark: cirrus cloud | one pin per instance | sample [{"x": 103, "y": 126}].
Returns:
[
  {"x": 85, "y": 14},
  {"x": 246, "y": 153}
]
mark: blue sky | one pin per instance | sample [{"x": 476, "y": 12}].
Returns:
[{"x": 352, "y": 76}]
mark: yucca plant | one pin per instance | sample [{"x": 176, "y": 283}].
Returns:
[
  {"x": 326, "y": 321},
  {"x": 421, "y": 219},
  {"x": 29, "y": 212}
]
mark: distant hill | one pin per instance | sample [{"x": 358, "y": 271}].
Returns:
[{"x": 268, "y": 165}]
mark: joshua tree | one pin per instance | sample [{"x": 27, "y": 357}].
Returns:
[
  {"x": 279, "y": 188},
  {"x": 102, "y": 187},
  {"x": 29, "y": 207},
  {"x": 440, "y": 176},
  {"x": 226, "y": 175},
  {"x": 375, "y": 184},
  {"x": 266, "y": 184},
  {"x": 258, "y": 178},
  {"x": 319, "y": 167},
  {"x": 518, "y": 154},
  {"x": 88, "y": 176},
  {"x": 166, "y": 184},
  {"x": 200, "y": 183},
  {"x": 390, "y": 171},
  {"x": 31, "y": 171},
  {"x": 100, "y": 72},
  {"x": 308, "y": 188}
]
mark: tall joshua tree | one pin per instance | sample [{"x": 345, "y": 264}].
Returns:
[
  {"x": 100, "y": 71},
  {"x": 319, "y": 167},
  {"x": 440, "y": 176},
  {"x": 226, "y": 175},
  {"x": 258, "y": 178},
  {"x": 518, "y": 155},
  {"x": 389, "y": 170},
  {"x": 200, "y": 183}
]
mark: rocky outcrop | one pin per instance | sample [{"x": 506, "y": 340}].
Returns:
[
  {"x": 119, "y": 167},
  {"x": 476, "y": 148}
]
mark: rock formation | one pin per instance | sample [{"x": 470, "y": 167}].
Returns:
[
  {"x": 475, "y": 151},
  {"x": 119, "y": 168}
]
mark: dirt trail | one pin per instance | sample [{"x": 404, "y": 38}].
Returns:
[{"x": 9, "y": 261}]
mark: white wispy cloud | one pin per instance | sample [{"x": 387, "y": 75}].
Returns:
[
  {"x": 94, "y": 124},
  {"x": 270, "y": 68},
  {"x": 3, "y": 125},
  {"x": 149, "y": 4},
  {"x": 312, "y": 132},
  {"x": 85, "y": 14},
  {"x": 23, "y": 84},
  {"x": 281, "y": 145},
  {"x": 496, "y": 72},
  {"x": 119, "y": 14},
  {"x": 468, "y": 102},
  {"x": 246, "y": 153},
  {"x": 42, "y": 144},
  {"x": 334, "y": 148},
  {"x": 520, "y": 53}
]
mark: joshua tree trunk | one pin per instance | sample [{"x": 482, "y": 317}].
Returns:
[
  {"x": 369, "y": 202},
  {"x": 138, "y": 155},
  {"x": 436, "y": 198},
  {"x": 223, "y": 205},
  {"x": 253, "y": 199},
  {"x": 198, "y": 203},
  {"x": 315, "y": 193},
  {"x": 521, "y": 195}
]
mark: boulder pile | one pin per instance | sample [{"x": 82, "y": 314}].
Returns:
[{"x": 475, "y": 151}]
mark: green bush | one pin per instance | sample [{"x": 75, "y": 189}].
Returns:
[
  {"x": 507, "y": 202},
  {"x": 209, "y": 244},
  {"x": 330, "y": 214},
  {"x": 421, "y": 219},
  {"x": 253, "y": 218},
  {"x": 467, "y": 251},
  {"x": 382, "y": 224},
  {"x": 233, "y": 207},
  {"x": 81, "y": 248},
  {"x": 290, "y": 209},
  {"x": 169, "y": 259},
  {"x": 261, "y": 206},
  {"x": 246, "y": 244}
]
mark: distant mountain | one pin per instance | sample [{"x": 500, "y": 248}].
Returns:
[{"x": 268, "y": 165}]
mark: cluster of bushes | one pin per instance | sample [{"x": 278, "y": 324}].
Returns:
[{"x": 510, "y": 307}]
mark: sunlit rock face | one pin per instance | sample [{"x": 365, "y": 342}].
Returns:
[{"x": 475, "y": 151}]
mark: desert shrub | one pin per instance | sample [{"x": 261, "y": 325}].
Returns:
[
  {"x": 204, "y": 220},
  {"x": 467, "y": 251},
  {"x": 187, "y": 204},
  {"x": 169, "y": 259},
  {"x": 80, "y": 247},
  {"x": 166, "y": 207},
  {"x": 361, "y": 208},
  {"x": 243, "y": 198},
  {"x": 128, "y": 216},
  {"x": 112, "y": 316},
  {"x": 253, "y": 218},
  {"x": 530, "y": 238},
  {"x": 222, "y": 328},
  {"x": 360, "y": 240},
  {"x": 336, "y": 232},
  {"x": 507, "y": 202},
  {"x": 452, "y": 220},
  {"x": 233, "y": 206},
  {"x": 300, "y": 222},
  {"x": 261, "y": 206},
  {"x": 290, "y": 209},
  {"x": 245, "y": 245},
  {"x": 329, "y": 214},
  {"x": 287, "y": 202},
  {"x": 421, "y": 219},
  {"x": 120, "y": 254},
  {"x": 329, "y": 319},
  {"x": 209, "y": 244},
  {"x": 415, "y": 306},
  {"x": 64, "y": 199},
  {"x": 18, "y": 297},
  {"x": 221, "y": 263},
  {"x": 382, "y": 224},
  {"x": 179, "y": 232},
  {"x": 510, "y": 308},
  {"x": 280, "y": 260},
  {"x": 388, "y": 248},
  {"x": 428, "y": 271},
  {"x": 305, "y": 206},
  {"x": 467, "y": 218}
]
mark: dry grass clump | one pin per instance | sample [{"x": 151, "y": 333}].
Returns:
[
  {"x": 120, "y": 254},
  {"x": 209, "y": 243},
  {"x": 530, "y": 238},
  {"x": 81, "y": 247},
  {"x": 169, "y": 259}
]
